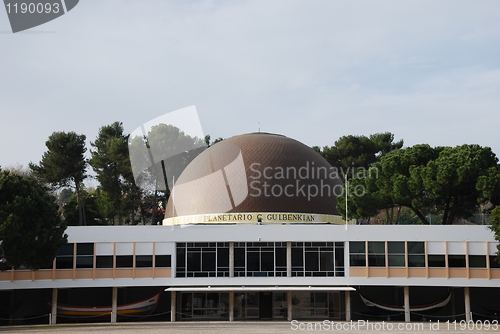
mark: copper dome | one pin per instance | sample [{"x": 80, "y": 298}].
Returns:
[{"x": 256, "y": 172}]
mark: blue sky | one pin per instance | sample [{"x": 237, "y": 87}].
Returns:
[{"x": 428, "y": 71}]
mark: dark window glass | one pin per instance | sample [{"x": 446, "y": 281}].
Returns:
[
  {"x": 193, "y": 261},
  {"x": 456, "y": 261},
  {"x": 239, "y": 257},
  {"x": 223, "y": 257},
  {"x": 144, "y": 261},
  {"x": 436, "y": 261},
  {"x": 85, "y": 249},
  {"x": 358, "y": 260},
  {"x": 297, "y": 257},
  {"x": 281, "y": 257},
  {"x": 124, "y": 261},
  {"x": 66, "y": 250},
  {"x": 376, "y": 260},
  {"x": 181, "y": 257},
  {"x": 267, "y": 261},
  {"x": 357, "y": 247},
  {"x": 163, "y": 261},
  {"x": 396, "y": 260},
  {"x": 208, "y": 261},
  {"x": 64, "y": 262},
  {"x": 253, "y": 261},
  {"x": 326, "y": 261},
  {"x": 416, "y": 261},
  {"x": 396, "y": 247},
  {"x": 493, "y": 263},
  {"x": 339, "y": 257},
  {"x": 312, "y": 263},
  {"x": 376, "y": 247},
  {"x": 104, "y": 261},
  {"x": 416, "y": 247},
  {"x": 84, "y": 261},
  {"x": 477, "y": 261}
]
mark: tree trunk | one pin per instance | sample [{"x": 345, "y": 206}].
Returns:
[
  {"x": 399, "y": 212},
  {"x": 81, "y": 221},
  {"x": 421, "y": 216}
]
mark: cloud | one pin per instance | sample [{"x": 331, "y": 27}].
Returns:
[{"x": 312, "y": 70}]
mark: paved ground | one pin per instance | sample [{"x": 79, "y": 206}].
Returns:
[{"x": 258, "y": 327}]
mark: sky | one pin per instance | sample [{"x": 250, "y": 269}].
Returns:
[{"x": 427, "y": 71}]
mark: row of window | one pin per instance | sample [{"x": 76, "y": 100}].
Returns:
[
  {"x": 260, "y": 259},
  {"x": 84, "y": 259},
  {"x": 397, "y": 251},
  {"x": 395, "y": 257}
]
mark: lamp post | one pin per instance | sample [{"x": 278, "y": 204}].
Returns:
[{"x": 346, "y": 191}]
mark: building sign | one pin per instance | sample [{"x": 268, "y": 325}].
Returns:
[{"x": 256, "y": 217}]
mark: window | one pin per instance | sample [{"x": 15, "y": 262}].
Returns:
[
  {"x": 357, "y": 254},
  {"x": 376, "y": 253},
  {"x": 477, "y": 261},
  {"x": 124, "y": 261},
  {"x": 456, "y": 261},
  {"x": 396, "y": 250},
  {"x": 493, "y": 263},
  {"x": 260, "y": 259},
  {"x": 436, "y": 261},
  {"x": 318, "y": 259},
  {"x": 144, "y": 261},
  {"x": 85, "y": 255},
  {"x": 104, "y": 261},
  {"x": 201, "y": 259},
  {"x": 64, "y": 259},
  {"x": 416, "y": 254},
  {"x": 163, "y": 261}
]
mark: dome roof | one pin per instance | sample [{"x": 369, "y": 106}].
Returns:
[{"x": 256, "y": 172}]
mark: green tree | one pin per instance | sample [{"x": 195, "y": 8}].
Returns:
[
  {"x": 64, "y": 164},
  {"x": 449, "y": 181},
  {"x": 110, "y": 160},
  {"x": 159, "y": 158},
  {"x": 359, "y": 151},
  {"x": 495, "y": 227},
  {"x": 31, "y": 231},
  {"x": 92, "y": 211},
  {"x": 452, "y": 182}
]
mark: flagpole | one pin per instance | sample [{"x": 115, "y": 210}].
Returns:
[{"x": 346, "y": 191}]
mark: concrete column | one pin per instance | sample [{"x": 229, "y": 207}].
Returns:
[
  {"x": 231, "y": 305},
  {"x": 231, "y": 259},
  {"x": 53, "y": 317},
  {"x": 289, "y": 259},
  {"x": 289, "y": 297},
  {"x": 407, "y": 303},
  {"x": 114, "y": 304},
  {"x": 468, "y": 314},
  {"x": 348, "y": 306},
  {"x": 173, "y": 303}
]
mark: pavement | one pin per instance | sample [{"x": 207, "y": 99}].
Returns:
[{"x": 264, "y": 327}]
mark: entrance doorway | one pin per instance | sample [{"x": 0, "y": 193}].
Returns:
[{"x": 265, "y": 305}]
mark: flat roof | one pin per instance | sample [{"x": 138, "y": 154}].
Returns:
[{"x": 261, "y": 288}]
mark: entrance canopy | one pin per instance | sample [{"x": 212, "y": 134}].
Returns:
[{"x": 261, "y": 288}]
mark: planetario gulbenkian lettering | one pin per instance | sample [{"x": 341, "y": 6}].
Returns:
[{"x": 251, "y": 231}]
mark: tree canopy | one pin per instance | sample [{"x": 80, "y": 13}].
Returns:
[
  {"x": 64, "y": 164},
  {"x": 31, "y": 231},
  {"x": 449, "y": 181},
  {"x": 495, "y": 227},
  {"x": 111, "y": 162},
  {"x": 359, "y": 151}
]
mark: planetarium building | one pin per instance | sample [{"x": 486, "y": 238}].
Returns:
[{"x": 251, "y": 231}]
